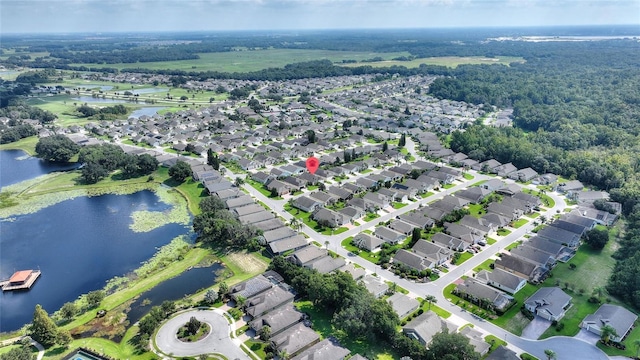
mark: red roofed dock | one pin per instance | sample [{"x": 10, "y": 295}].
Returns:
[{"x": 20, "y": 280}]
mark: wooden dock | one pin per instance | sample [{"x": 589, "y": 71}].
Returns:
[{"x": 8, "y": 285}]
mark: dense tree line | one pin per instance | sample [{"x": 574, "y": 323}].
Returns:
[
  {"x": 103, "y": 112},
  {"x": 358, "y": 314},
  {"x": 43, "y": 330},
  {"x": 217, "y": 225},
  {"x": 101, "y": 160},
  {"x": 19, "y": 110},
  {"x": 36, "y": 77},
  {"x": 56, "y": 148},
  {"x": 624, "y": 281},
  {"x": 9, "y": 134}
]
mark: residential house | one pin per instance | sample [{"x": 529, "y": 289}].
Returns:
[
  {"x": 475, "y": 291},
  {"x": 433, "y": 213},
  {"x": 324, "y": 198},
  {"x": 306, "y": 204},
  {"x": 569, "y": 226},
  {"x": 247, "y": 209},
  {"x": 279, "y": 187},
  {"x": 295, "y": 339},
  {"x": 329, "y": 218},
  {"x": 403, "y": 305},
  {"x": 522, "y": 268},
  {"x": 352, "y": 213},
  {"x": 283, "y": 245},
  {"x": 252, "y": 287},
  {"x": 432, "y": 252},
  {"x": 376, "y": 201},
  {"x": 508, "y": 212},
  {"x": 366, "y": 242},
  {"x": 465, "y": 233},
  {"x": 325, "y": 350},
  {"x": 476, "y": 339},
  {"x": 550, "y": 303},
  {"x": 534, "y": 255},
  {"x": 277, "y": 234},
  {"x": 240, "y": 201},
  {"x": 480, "y": 225},
  {"x": 374, "y": 285},
  {"x": 577, "y": 218},
  {"x": 601, "y": 217},
  {"x": 449, "y": 242},
  {"x": 617, "y": 317},
  {"x": 474, "y": 194},
  {"x": 401, "y": 227},
  {"x": 505, "y": 169},
  {"x": 307, "y": 255},
  {"x": 557, "y": 251},
  {"x": 412, "y": 260},
  {"x": 340, "y": 193},
  {"x": 498, "y": 220},
  {"x": 426, "y": 325},
  {"x": 277, "y": 320},
  {"x": 573, "y": 185},
  {"x": 390, "y": 236},
  {"x": 269, "y": 224},
  {"x": 326, "y": 264},
  {"x": 502, "y": 280},
  {"x": 523, "y": 175},
  {"x": 356, "y": 272},
  {"x": 493, "y": 184},
  {"x": 560, "y": 236},
  {"x": 262, "y": 177},
  {"x": 417, "y": 219}
]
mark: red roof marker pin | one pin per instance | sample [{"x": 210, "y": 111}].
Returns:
[{"x": 312, "y": 164}]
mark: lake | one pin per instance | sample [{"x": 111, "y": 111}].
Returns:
[
  {"x": 149, "y": 90},
  {"x": 106, "y": 100},
  {"x": 17, "y": 166},
  {"x": 78, "y": 245}
]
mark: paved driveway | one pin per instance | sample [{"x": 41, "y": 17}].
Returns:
[
  {"x": 218, "y": 341},
  {"x": 587, "y": 336},
  {"x": 535, "y": 328}
]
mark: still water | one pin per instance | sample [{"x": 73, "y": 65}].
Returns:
[
  {"x": 78, "y": 245},
  {"x": 149, "y": 111},
  {"x": 17, "y": 166}
]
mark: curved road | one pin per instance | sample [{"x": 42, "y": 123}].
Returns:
[{"x": 218, "y": 340}]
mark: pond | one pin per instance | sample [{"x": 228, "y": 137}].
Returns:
[
  {"x": 174, "y": 289},
  {"x": 149, "y": 111},
  {"x": 149, "y": 90}
]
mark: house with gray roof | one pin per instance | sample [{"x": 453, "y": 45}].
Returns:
[
  {"x": 560, "y": 236},
  {"x": 247, "y": 209},
  {"x": 550, "y": 303},
  {"x": 505, "y": 169},
  {"x": 376, "y": 201},
  {"x": 523, "y": 175},
  {"x": 463, "y": 232},
  {"x": 340, "y": 193},
  {"x": 475, "y": 290},
  {"x": 426, "y": 325},
  {"x": 239, "y": 201},
  {"x": 557, "y": 251},
  {"x": 401, "y": 227},
  {"x": 256, "y": 217},
  {"x": 403, "y": 305},
  {"x": 433, "y": 213},
  {"x": 250, "y": 287},
  {"x": 374, "y": 285},
  {"x": 474, "y": 194},
  {"x": 295, "y": 339},
  {"x": 417, "y": 219},
  {"x": 412, "y": 260},
  {"x": 352, "y": 213},
  {"x": 366, "y": 242},
  {"x": 269, "y": 224},
  {"x": 279, "y": 187},
  {"x": 324, "y": 350},
  {"x": 266, "y": 301},
  {"x": 577, "y": 218},
  {"x": 356, "y": 272},
  {"x": 433, "y": 252},
  {"x": 277, "y": 320},
  {"x": 498, "y": 220},
  {"x": 508, "y": 212},
  {"x": 326, "y": 264},
  {"x": 619, "y": 318},
  {"x": 522, "y": 268},
  {"x": 479, "y": 225},
  {"x": 292, "y": 243},
  {"x": 330, "y": 218},
  {"x": 323, "y": 197},
  {"x": 390, "y": 236},
  {"x": 449, "y": 242},
  {"x": 307, "y": 255},
  {"x": 306, "y": 203},
  {"x": 278, "y": 234},
  {"x": 476, "y": 339},
  {"x": 572, "y": 185},
  {"x": 502, "y": 280},
  {"x": 569, "y": 226},
  {"x": 534, "y": 255}
]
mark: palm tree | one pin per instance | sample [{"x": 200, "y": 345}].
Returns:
[
  {"x": 238, "y": 181},
  {"x": 636, "y": 343},
  {"x": 295, "y": 224},
  {"x": 606, "y": 332},
  {"x": 283, "y": 355},
  {"x": 326, "y": 244},
  {"x": 430, "y": 299},
  {"x": 551, "y": 355},
  {"x": 599, "y": 291}
]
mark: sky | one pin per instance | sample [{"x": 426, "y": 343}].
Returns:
[{"x": 66, "y": 16}]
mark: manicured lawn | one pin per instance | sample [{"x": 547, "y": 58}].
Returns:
[
  {"x": 449, "y": 61},
  {"x": 464, "y": 256},
  {"x": 476, "y": 210},
  {"x": 513, "y": 245},
  {"x": 533, "y": 215},
  {"x": 546, "y": 199},
  {"x": 426, "y": 195},
  {"x": 123, "y": 350},
  {"x": 504, "y": 232},
  {"x": 258, "y": 347},
  {"x": 479, "y": 183},
  {"x": 484, "y": 265},
  {"x": 629, "y": 342},
  {"x": 491, "y": 241},
  {"x": 366, "y": 171},
  {"x": 495, "y": 342},
  {"x": 448, "y": 186},
  {"x": 510, "y": 320},
  {"x": 28, "y": 145},
  {"x": 468, "y": 176},
  {"x": 520, "y": 222},
  {"x": 399, "y": 205},
  {"x": 321, "y": 321},
  {"x": 435, "y": 308},
  {"x": 371, "y": 216},
  {"x": 256, "y": 185}
]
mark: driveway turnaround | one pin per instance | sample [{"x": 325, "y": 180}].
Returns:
[{"x": 217, "y": 342}]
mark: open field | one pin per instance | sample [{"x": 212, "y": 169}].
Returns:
[
  {"x": 448, "y": 61},
  {"x": 252, "y": 60}
]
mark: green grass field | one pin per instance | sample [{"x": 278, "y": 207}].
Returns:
[
  {"x": 253, "y": 60},
  {"x": 448, "y": 61}
]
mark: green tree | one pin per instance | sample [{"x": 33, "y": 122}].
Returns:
[
  {"x": 91, "y": 173},
  {"x": 180, "y": 171},
  {"x": 94, "y": 298},
  {"x": 193, "y": 325},
  {"x": 42, "y": 328},
  {"x": 211, "y": 204},
  {"x": 295, "y": 224},
  {"x": 223, "y": 289},
  {"x": 607, "y": 332},
  {"x": 451, "y": 346},
  {"x": 265, "y": 333},
  {"x": 238, "y": 181},
  {"x": 311, "y": 136},
  {"x": 19, "y": 353},
  {"x": 551, "y": 355},
  {"x": 416, "y": 234},
  {"x": 68, "y": 311},
  {"x": 403, "y": 140},
  {"x": 597, "y": 238},
  {"x": 385, "y": 146},
  {"x": 431, "y": 300},
  {"x": 211, "y": 297},
  {"x": 56, "y": 148}
]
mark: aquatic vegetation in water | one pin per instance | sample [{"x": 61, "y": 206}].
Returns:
[
  {"x": 145, "y": 220},
  {"x": 173, "y": 251}
]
